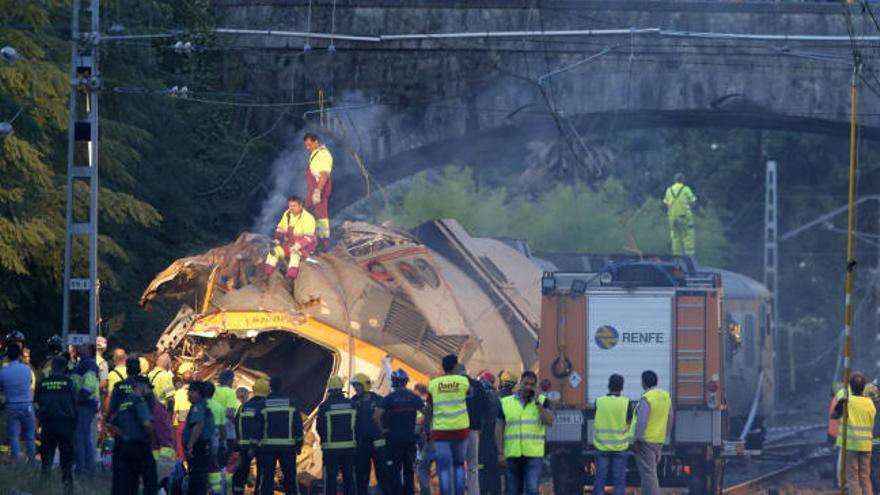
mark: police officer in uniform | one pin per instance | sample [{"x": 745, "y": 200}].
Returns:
[
  {"x": 282, "y": 440},
  {"x": 336, "y": 427},
  {"x": 56, "y": 409},
  {"x": 370, "y": 444},
  {"x": 54, "y": 348},
  {"x": 198, "y": 429},
  {"x": 134, "y": 456},
  {"x": 249, "y": 429},
  {"x": 397, "y": 414}
]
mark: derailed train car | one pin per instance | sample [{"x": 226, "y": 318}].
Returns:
[
  {"x": 385, "y": 298},
  {"x": 381, "y": 299}
]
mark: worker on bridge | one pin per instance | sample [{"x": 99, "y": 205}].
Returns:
[
  {"x": 319, "y": 186},
  {"x": 294, "y": 238},
  {"x": 679, "y": 199},
  {"x": 860, "y": 412}
]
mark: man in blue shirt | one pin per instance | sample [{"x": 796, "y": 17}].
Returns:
[
  {"x": 15, "y": 384},
  {"x": 397, "y": 414},
  {"x": 197, "y": 432}
]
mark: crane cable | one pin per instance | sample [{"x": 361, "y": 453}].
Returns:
[{"x": 850, "y": 272}]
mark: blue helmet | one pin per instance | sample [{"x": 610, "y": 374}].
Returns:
[{"x": 399, "y": 378}]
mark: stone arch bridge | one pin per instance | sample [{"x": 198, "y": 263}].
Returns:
[{"x": 411, "y": 84}]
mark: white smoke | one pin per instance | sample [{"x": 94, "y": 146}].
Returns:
[
  {"x": 287, "y": 177},
  {"x": 352, "y": 124}
]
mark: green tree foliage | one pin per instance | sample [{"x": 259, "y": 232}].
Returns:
[
  {"x": 156, "y": 154},
  {"x": 565, "y": 218}
]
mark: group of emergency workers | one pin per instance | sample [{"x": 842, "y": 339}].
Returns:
[
  {"x": 300, "y": 232},
  {"x": 859, "y": 401}
]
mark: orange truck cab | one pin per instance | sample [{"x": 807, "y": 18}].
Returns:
[{"x": 631, "y": 317}]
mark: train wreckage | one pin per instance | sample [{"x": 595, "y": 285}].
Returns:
[
  {"x": 385, "y": 298},
  {"x": 382, "y": 298}
]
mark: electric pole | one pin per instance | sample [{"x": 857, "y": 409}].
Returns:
[{"x": 82, "y": 167}]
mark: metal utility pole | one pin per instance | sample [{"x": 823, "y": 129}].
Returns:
[
  {"x": 82, "y": 164},
  {"x": 771, "y": 257}
]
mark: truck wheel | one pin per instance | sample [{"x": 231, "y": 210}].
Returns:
[
  {"x": 705, "y": 478},
  {"x": 567, "y": 469},
  {"x": 698, "y": 481}
]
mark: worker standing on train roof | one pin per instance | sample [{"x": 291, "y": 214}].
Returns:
[
  {"x": 294, "y": 238},
  {"x": 319, "y": 186},
  {"x": 860, "y": 412},
  {"x": 653, "y": 422},
  {"x": 679, "y": 199}
]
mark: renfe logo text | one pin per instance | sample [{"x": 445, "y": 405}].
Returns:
[{"x": 642, "y": 337}]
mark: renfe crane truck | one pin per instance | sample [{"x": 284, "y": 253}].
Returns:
[{"x": 632, "y": 317}]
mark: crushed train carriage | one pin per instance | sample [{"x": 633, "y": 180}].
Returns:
[{"x": 381, "y": 299}]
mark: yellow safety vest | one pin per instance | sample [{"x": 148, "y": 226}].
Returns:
[
  {"x": 860, "y": 424},
  {"x": 609, "y": 427},
  {"x": 658, "y": 423},
  {"x": 679, "y": 198},
  {"x": 163, "y": 385},
  {"x": 449, "y": 408},
  {"x": 523, "y": 428},
  {"x": 301, "y": 225},
  {"x": 320, "y": 160},
  {"x": 117, "y": 374}
]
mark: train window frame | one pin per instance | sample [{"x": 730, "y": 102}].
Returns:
[{"x": 748, "y": 339}]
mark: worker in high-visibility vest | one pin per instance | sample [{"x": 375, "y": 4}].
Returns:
[
  {"x": 282, "y": 440},
  {"x": 181, "y": 405},
  {"x": 834, "y": 423},
  {"x": 651, "y": 429},
  {"x": 679, "y": 199},
  {"x": 873, "y": 392},
  {"x": 450, "y": 425},
  {"x": 611, "y": 436},
  {"x": 519, "y": 435},
  {"x": 249, "y": 430},
  {"x": 336, "y": 427},
  {"x": 294, "y": 238},
  {"x": 119, "y": 371},
  {"x": 860, "y": 412},
  {"x": 162, "y": 380},
  {"x": 85, "y": 377},
  {"x": 319, "y": 186}
]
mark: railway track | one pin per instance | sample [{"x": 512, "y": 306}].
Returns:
[{"x": 755, "y": 484}]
